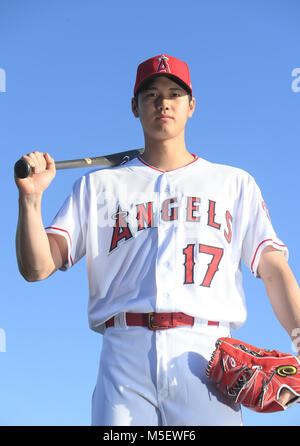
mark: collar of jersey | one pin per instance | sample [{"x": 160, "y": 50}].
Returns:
[{"x": 165, "y": 171}]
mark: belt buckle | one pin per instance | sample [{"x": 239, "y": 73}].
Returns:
[{"x": 151, "y": 326}]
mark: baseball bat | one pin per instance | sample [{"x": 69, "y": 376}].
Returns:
[{"x": 22, "y": 167}]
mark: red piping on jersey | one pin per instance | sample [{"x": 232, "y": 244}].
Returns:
[
  {"x": 267, "y": 240},
  {"x": 63, "y": 230},
  {"x": 163, "y": 171}
]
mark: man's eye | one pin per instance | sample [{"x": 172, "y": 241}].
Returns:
[{"x": 153, "y": 94}]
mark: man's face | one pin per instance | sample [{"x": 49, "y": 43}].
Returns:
[{"x": 163, "y": 108}]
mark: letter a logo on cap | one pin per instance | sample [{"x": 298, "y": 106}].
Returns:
[{"x": 163, "y": 64}]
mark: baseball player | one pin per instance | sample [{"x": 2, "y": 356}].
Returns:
[{"x": 164, "y": 236}]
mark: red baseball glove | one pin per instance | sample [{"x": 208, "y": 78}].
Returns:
[{"x": 254, "y": 377}]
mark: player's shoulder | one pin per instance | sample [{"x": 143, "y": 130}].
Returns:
[
  {"x": 227, "y": 170},
  {"x": 103, "y": 174}
]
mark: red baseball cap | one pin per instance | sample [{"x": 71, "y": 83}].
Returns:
[{"x": 163, "y": 65}]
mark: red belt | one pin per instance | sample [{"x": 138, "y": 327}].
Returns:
[{"x": 158, "y": 321}]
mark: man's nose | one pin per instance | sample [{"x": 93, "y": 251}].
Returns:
[{"x": 163, "y": 103}]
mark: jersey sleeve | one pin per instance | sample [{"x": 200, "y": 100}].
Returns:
[
  {"x": 71, "y": 223},
  {"x": 259, "y": 229}
]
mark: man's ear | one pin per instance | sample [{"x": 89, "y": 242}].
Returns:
[
  {"x": 134, "y": 108},
  {"x": 192, "y": 107}
]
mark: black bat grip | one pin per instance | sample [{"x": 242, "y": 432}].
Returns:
[{"x": 22, "y": 168}]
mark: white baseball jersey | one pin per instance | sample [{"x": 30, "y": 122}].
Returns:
[{"x": 166, "y": 241}]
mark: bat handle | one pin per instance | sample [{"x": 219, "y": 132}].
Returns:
[{"x": 22, "y": 168}]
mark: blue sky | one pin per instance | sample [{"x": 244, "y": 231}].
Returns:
[{"x": 69, "y": 73}]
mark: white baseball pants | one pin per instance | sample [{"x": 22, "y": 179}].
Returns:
[{"x": 157, "y": 378}]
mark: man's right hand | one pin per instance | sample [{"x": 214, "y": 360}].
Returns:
[
  {"x": 43, "y": 172},
  {"x": 39, "y": 254}
]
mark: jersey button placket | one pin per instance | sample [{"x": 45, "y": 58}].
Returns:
[
  {"x": 164, "y": 286},
  {"x": 165, "y": 250}
]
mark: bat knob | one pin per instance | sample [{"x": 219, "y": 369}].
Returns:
[{"x": 22, "y": 168}]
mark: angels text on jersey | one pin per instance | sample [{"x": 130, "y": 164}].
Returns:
[{"x": 189, "y": 209}]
